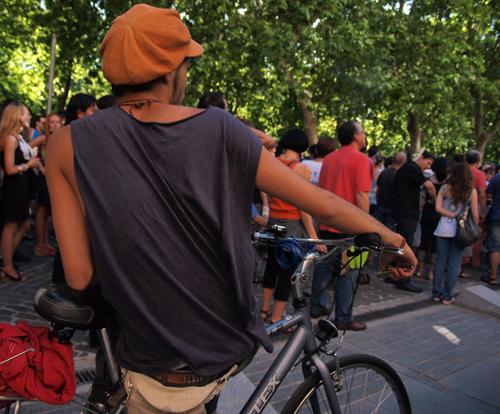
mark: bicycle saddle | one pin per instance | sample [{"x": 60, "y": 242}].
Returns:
[{"x": 70, "y": 308}]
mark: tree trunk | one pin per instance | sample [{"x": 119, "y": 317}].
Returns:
[
  {"x": 483, "y": 137},
  {"x": 309, "y": 118},
  {"x": 61, "y": 102},
  {"x": 414, "y": 131}
]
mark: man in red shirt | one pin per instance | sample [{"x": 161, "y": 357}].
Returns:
[
  {"x": 347, "y": 173},
  {"x": 473, "y": 158}
]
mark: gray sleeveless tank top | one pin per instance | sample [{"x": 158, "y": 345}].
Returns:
[{"x": 168, "y": 215}]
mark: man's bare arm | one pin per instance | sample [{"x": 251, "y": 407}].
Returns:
[
  {"x": 481, "y": 195},
  {"x": 362, "y": 201},
  {"x": 278, "y": 180},
  {"x": 67, "y": 211},
  {"x": 431, "y": 190}
]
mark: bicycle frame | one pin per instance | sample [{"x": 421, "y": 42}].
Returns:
[{"x": 302, "y": 340}]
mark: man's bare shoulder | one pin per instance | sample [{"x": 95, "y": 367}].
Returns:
[{"x": 59, "y": 146}]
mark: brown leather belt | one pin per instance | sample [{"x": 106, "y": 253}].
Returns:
[{"x": 184, "y": 379}]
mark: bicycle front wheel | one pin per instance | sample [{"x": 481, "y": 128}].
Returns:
[{"x": 364, "y": 384}]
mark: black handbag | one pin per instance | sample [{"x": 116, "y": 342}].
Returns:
[{"x": 468, "y": 231}]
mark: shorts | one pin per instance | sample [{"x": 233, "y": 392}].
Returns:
[{"x": 493, "y": 240}]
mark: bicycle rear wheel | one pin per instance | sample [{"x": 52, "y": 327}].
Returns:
[{"x": 364, "y": 384}]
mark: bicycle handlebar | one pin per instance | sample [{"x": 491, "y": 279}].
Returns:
[{"x": 365, "y": 241}]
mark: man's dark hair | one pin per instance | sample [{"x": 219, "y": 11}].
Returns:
[
  {"x": 35, "y": 119},
  {"x": 106, "y": 101},
  {"x": 427, "y": 155},
  {"x": 346, "y": 132},
  {"x": 212, "y": 99},
  {"x": 472, "y": 157},
  {"x": 388, "y": 161},
  {"x": 373, "y": 150},
  {"x": 440, "y": 168},
  {"x": 120, "y": 90},
  {"x": 295, "y": 139},
  {"x": 324, "y": 146},
  {"x": 79, "y": 102},
  {"x": 458, "y": 158}
]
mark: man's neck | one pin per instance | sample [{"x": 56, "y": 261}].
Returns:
[
  {"x": 290, "y": 155},
  {"x": 353, "y": 145},
  {"x": 149, "y": 107}
]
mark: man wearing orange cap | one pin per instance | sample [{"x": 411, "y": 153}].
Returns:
[{"x": 152, "y": 199}]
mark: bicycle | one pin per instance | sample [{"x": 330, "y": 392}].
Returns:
[{"x": 343, "y": 384}]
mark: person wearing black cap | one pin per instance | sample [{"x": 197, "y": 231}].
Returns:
[
  {"x": 152, "y": 200},
  {"x": 298, "y": 223}
]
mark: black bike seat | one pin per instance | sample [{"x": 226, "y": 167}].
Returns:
[{"x": 71, "y": 308}]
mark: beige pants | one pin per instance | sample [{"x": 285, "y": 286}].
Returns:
[{"x": 145, "y": 395}]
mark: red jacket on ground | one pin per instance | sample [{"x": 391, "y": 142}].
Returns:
[{"x": 47, "y": 373}]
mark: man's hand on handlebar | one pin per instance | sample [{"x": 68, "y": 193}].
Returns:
[
  {"x": 321, "y": 248},
  {"x": 400, "y": 266}
]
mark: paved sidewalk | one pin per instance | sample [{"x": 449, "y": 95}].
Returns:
[{"x": 404, "y": 328}]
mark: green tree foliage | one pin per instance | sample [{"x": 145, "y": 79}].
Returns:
[{"x": 423, "y": 73}]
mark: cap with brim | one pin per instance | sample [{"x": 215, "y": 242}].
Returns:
[{"x": 145, "y": 43}]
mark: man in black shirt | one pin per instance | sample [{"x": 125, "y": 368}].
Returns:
[
  {"x": 406, "y": 202},
  {"x": 385, "y": 184}
]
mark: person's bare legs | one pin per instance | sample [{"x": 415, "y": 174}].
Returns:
[
  {"x": 267, "y": 295},
  {"x": 278, "y": 309},
  {"x": 18, "y": 236},
  {"x": 494, "y": 263},
  {"x": 8, "y": 234},
  {"x": 39, "y": 226}
]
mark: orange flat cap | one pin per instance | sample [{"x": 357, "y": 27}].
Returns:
[{"x": 145, "y": 43}]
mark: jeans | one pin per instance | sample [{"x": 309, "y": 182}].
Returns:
[
  {"x": 449, "y": 257},
  {"x": 343, "y": 284}
]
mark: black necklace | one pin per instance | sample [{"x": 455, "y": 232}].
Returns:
[{"x": 138, "y": 103}]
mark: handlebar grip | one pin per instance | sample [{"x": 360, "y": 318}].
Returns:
[{"x": 369, "y": 240}]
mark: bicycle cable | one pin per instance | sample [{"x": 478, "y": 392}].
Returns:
[{"x": 289, "y": 253}]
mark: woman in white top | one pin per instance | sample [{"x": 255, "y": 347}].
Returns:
[
  {"x": 318, "y": 151},
  {"x": 451, "y": 199}
]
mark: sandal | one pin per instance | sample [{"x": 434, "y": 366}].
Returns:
[
  {"x": 265, "y": 315},
  {"x": 20, "y": 278},
  {"x": 489, "y": 281}
]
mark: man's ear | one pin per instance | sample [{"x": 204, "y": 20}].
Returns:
[{"x": 79, "y": 114}]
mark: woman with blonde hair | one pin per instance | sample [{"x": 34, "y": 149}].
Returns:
[
  {"x": 452, "y": 199},
  {"x": 17, "y": 158},
  {"x": 42, "y": 210}
]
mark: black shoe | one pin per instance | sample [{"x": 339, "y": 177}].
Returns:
[
  {"x": 407, "y": 285},
  {"x": 389, "y": 279},
  {"x": 21, "y": 257},
  {"x": 318, "y": 311}
]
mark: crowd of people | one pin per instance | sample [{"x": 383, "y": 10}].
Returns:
[
  {"x": 419, "y": 197},
  {"x": 25, "y": 200}
]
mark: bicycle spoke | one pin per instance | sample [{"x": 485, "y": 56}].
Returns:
[
  {"x": 349, "y": 391},
  {"x": 368, "y": 387},
  {"x": 364, "y": 391},
  {"x": 381, "y": 401}
]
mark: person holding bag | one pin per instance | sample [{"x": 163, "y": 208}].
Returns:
[{"x": 451, "y": 201}]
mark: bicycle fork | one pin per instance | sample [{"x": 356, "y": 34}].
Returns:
[{"x": 328, "y": 383}]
